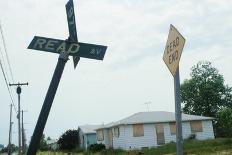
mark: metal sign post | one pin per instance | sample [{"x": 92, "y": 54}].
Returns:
[
  {"x": 171, "y": 57},
  {"x": 71, "y": 47}
]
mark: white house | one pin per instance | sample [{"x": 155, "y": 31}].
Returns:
[
  {"x": 151, "y": 129},
  {"x": 87, "y": 135},
  {"x": 52, "y": 144}
]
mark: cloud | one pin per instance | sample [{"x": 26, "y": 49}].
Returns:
[{"x": 132, "y": 72}]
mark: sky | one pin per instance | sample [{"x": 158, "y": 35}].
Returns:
[{"x": 132, "y": 72}]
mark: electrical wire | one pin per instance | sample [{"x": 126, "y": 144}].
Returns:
[
  {"x": 5, "y": 49},
  {"x": 5, "y": 78}
]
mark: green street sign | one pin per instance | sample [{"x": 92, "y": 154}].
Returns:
[
  {"x": 71, "y": 20},
  {"x": 85, "y": 50}
]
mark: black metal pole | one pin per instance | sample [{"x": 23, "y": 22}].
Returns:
[{"x": 40, "y": 125}]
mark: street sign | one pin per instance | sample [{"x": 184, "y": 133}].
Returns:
[
  {"x": 71, "y": 21},
  {"x": 79, "y": 49},
  {"x": 173, "y": 49},
  {"x": 72, "y": 27},
  {"x": 65, "y": 48},
  {"x": 171, "y": 57}
]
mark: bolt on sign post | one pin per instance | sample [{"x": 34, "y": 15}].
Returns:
[
  {"x": 171, "y": 57},
  {"x": 65, "y": 48}
]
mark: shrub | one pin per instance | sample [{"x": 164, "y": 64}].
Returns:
[
  {"x": 192, "y": 136},
  {"x": 96, "y": 147},
  {"x": 69, "y": 140}
]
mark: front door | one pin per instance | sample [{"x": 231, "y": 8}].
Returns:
[{"x": 160, "y": 134}]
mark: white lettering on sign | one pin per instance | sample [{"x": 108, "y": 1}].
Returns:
[
  {"x": 62, "y": 47},
  {"x": 56, "y": 46},
  {"x": 39, "y": 42},
  {"x": 71, "y": 15},
  {"x": 73, "y": 48},
  {"x": 50, "y": 44},
  {"x": 95, "y": 51}
]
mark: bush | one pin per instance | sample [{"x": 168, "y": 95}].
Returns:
[
  {"x": 96, "y": 147},
  {"x": 224, "y": 123},
  {"x": 69, "y": 140},
  {"x": 192, "y": 136}
]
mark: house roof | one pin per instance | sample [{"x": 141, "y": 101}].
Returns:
[
  {"x": 88, "y": 129},
  {"x": 51, "y": 141},
  {"x": 153, "y": 117}
]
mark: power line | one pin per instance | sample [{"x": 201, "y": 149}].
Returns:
[
  {"x": 6, "y": 77},
  {"x": 7, "y": 57},
  {"x": 3, "y": 72},
  {"x": 3, "y": 63}
]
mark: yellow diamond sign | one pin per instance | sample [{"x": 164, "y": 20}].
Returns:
[{"x": 173, "y": 49}]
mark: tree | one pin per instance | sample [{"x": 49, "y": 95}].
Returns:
[
  {"x": 205, "y": 92},
  {"x": 224, "y": 123},
  {"x": 69, "y": 140},
  {"x": 13, "y": 148},
  {"x": 49, "y": 138},
  {"x": 43, "y": 146}
]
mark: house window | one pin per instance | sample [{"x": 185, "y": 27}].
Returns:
[
  {"x": 116, "y": 132},
  {"x": 138, "y": 130},
  {"x": 196, "y": 126},
  {"x": 100, "y": 135},
  {"x": 172, "y": 126},
  {"x": 160, "y": 134}
]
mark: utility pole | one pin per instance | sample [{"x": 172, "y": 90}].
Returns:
[
  {"x": 23, "y": 135},
  {"x": 10, "y": 131},
  {"x": 19, "y": 90}
]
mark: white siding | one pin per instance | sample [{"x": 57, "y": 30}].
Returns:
[
  {"x": 106, "y": 137},
  {"x": 127, "y": 141},
  {"x": 105, "y": 141},
  {"x": 81, "y": 138},
  {"x": 167, "y": 134},
  {"x": 120, "y": 142},
  {"x": 207, "y": 132}
]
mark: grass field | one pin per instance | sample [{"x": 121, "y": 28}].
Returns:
[{"x": 191, "y": 147}]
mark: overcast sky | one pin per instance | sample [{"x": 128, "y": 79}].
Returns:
[{"x": 132, "y": 71}]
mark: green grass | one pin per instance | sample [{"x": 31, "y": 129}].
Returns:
[
  {"x": 191, "y": 147},
  {"x": 196, "y": 147}
]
